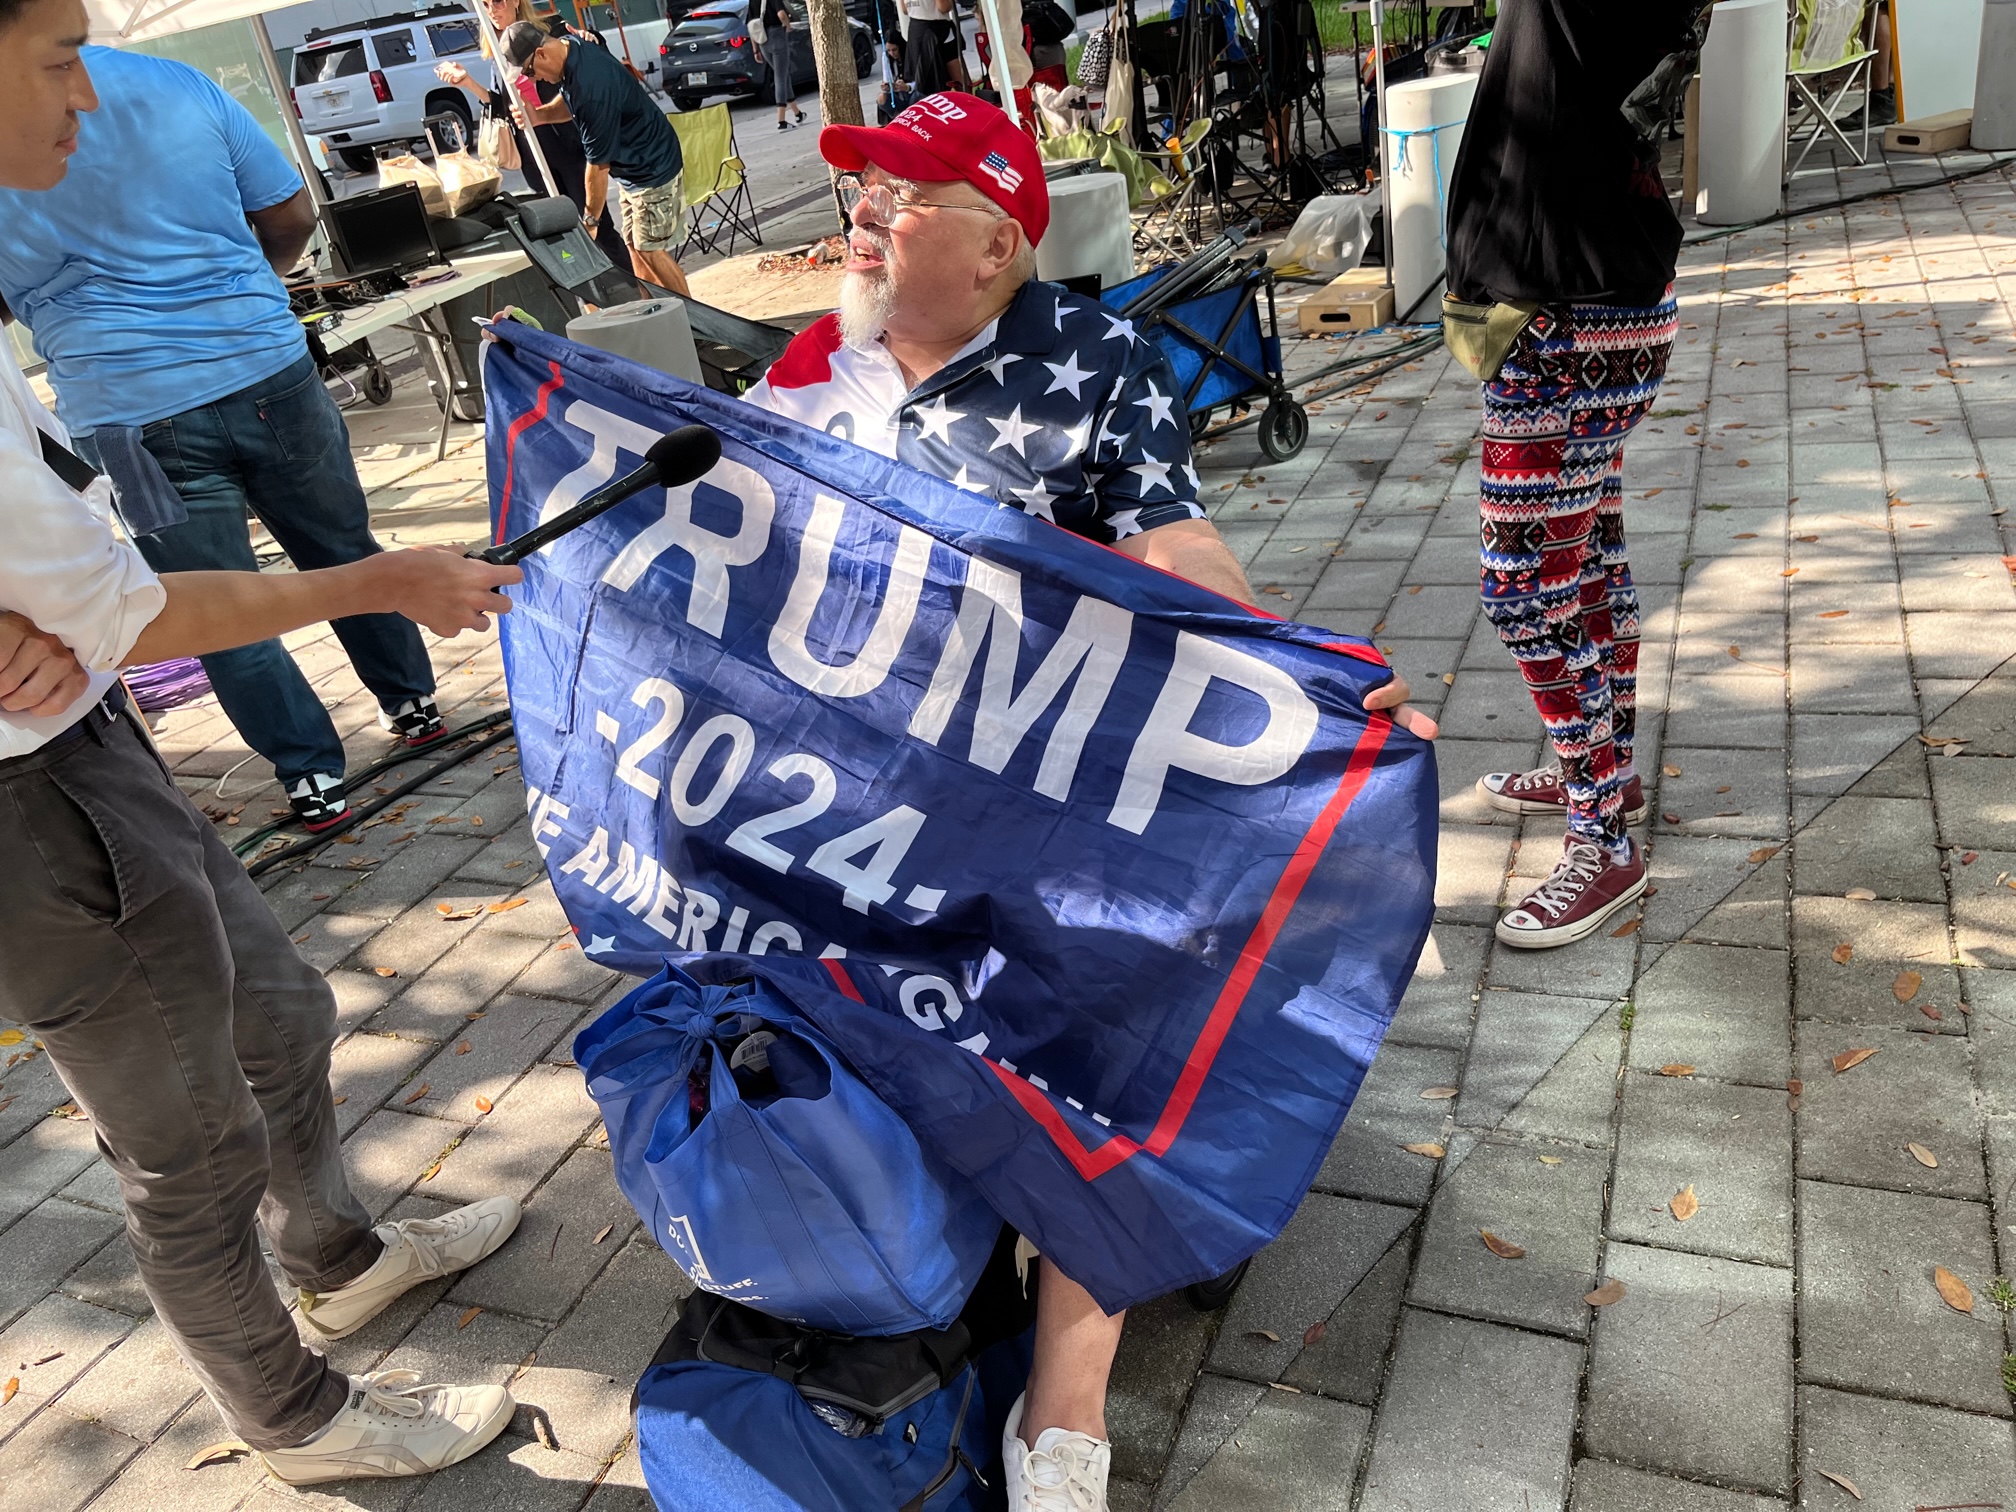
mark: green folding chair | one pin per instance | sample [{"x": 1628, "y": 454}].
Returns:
[
  {"x": 1831, "y": 53},
  {"x": 719, "y": 207}
]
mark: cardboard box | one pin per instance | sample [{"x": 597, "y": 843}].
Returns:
[
  {"x": 1354, "y": 301},
  {"x": 1940, "y": 133}
]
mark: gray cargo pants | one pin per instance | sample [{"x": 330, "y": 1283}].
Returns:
[{"x": 191, "y": 1031}]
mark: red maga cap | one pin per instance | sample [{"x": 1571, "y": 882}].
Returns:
[{"x": 952, "y": 136}]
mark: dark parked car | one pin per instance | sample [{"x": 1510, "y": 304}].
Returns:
[{"x": 708, "y": 52}]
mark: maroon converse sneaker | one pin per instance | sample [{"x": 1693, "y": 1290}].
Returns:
[
  {"x": 1544, "y": 792},
  {"x": 1586, "y": 888}
]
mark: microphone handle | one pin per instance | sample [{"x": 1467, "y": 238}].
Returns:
[{"x": 608, "y": 496}]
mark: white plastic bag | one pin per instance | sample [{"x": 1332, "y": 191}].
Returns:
[{"x": 1328, "y": 237}]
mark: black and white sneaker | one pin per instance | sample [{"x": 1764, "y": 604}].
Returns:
[
  {"x": 417, "y": 722},
  {"x": 319, "y": 801}
]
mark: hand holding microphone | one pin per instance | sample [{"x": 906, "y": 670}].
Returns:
[{"x": 674, "y": 459}]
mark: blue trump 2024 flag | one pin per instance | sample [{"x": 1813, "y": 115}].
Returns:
[{"x": 1108, "y": 884}]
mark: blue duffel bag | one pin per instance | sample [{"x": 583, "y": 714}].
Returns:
[
  {"x": 741, "y": 1413},
  {"x": 769, "y": 1171}
]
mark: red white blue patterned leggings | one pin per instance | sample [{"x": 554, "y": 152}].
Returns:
[{"x": 1556, "y": 582}]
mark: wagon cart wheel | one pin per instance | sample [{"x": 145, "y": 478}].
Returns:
[
  {"x": 1284, "y": 429},
  {"x": 377, "y": 384},
  {"x": 1200, "y": 422},
  {"x": 1209, "y": 1296}
]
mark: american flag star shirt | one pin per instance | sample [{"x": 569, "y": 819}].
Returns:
[{"x": 1059, "y": 408}]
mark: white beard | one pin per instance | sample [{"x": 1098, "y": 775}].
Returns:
[{"x": 865, "y": 302}]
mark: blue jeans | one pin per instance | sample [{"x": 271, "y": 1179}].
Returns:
[{"x": 280, "y": 449}]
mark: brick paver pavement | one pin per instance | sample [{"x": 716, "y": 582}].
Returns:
[{"x": 1828, "y": 720}]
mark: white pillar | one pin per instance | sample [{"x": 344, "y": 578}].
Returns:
[
  {"x": 1420, "y": 128},
  {"x": 1742, "y": 113}
]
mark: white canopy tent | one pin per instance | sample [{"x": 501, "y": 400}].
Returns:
[{"x": 117, "y": 23}]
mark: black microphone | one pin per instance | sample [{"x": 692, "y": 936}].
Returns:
[{"x": 675, "y": 458}]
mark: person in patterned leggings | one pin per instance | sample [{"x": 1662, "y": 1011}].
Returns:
[{"x": 1557, "y": 204}]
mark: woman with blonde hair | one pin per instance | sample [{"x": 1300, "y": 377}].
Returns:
[{"x": 559, "y": 141}]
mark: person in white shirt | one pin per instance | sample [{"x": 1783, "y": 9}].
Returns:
[{"x": 166, "y": 993}]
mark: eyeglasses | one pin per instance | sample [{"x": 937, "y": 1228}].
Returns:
[{"x": 882, "y": 204}]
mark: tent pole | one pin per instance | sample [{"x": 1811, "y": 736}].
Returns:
[
  {"x": 530, "y": 135},
  {"x": 1385, "y": 194},
  {"x": 283, "y": 96},
  {"x": 998, "y": 68}
]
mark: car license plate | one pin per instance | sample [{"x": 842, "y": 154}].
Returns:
[{"x": 694, "y": 79}]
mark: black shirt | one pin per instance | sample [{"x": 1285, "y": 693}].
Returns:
[
  {"x": 1554, "y": 197},
  {"x": 621, "y": 128}
]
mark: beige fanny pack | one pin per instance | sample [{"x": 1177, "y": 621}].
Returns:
[{"x": 1480, "y": 336}]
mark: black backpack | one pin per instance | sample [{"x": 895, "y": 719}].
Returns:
[{"x": 1048, "y": 22}]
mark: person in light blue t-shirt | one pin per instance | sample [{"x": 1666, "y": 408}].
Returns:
[{"x": 150, "y": 279}]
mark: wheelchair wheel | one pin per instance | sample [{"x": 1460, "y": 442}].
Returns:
[
  {"x": 377, "y": 385},
  {"x": 1200, "y": 422},
  {"x": 1209, "y": 1296},
  {"x": 1284, "y": 429}
]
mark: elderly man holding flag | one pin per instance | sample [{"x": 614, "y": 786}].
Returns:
[{"x": 949, "y": 355}]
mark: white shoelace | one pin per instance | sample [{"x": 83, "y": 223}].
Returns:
[
  {"x": 415, "y": 1230},
  {"x": 1060, "y": 1480},
  {"x": 395, "y": 1393},
  {"x": 1546, "y": 777},
  {"x": 1577, "y": 868}
]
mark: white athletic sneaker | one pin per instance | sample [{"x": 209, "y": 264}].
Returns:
[
  {"x": 392, "y": 1425},
  {"x": 1065, "y": 1472},
  {"x": 416, "y": 1250}
]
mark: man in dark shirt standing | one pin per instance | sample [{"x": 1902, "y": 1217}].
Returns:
[
  {"x": 1557, "y": 203},
  {"x": 623, "y": 134}
]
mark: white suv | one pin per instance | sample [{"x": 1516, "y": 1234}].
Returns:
[{"x": 371, "y": 82}]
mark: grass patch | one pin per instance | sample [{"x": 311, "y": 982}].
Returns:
[
  {"x": 1673, "y": 414},
  {"x": 1718, "y": 508},
  {"x": 1627, "y": 1015},
  {"x": 2009, "y": 1373},
  {"x": 2001, "y": 1293}
]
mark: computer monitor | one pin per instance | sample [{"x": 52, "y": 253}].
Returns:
[{"x": 384, "y": 231}]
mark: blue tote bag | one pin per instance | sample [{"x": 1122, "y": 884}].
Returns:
[{"x": 769, "y": 1171}]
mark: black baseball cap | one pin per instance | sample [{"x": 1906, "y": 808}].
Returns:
[{"x": 521, "y": 39}]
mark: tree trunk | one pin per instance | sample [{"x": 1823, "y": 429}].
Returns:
[{"x": 833, "y": 51}]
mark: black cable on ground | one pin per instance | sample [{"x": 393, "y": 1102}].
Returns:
[
  {"x": 358, "y": 815},
  {"x": 1852, "y": 199}
]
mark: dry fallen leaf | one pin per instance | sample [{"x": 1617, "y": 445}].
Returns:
[
  {"x": 1502, "y": 1248},
  {"x": 468, "y": 1317},
  {"x": 1906, "y": 986},
  {"x": 454, "y": 914},
  {"x": 1834, "y": 614},
  {"x": 464, "y": 1048},
  {"x": 1609, "y": 1292},
  {"x": 1763, "y": 853},
  {"x": 383, "y": 971},
  {"x": 484, "y": 1105},
  {"x": 1843, "y": 953},
  {"x": 1843, "y": 1482},
  {"x": 1264, "y": 1333},
  {"x": 1676, "y": 1068},
  {"x": 1550, "y": 1160},
  {"x": 508, "y": 904},
  {"x": 1432, "y": 1150},
  {"x": 11, "y": 1036},
  {"x": 1859, "y": 895},
  {"x": 217, "y": 1453},
  {"x": 337, "y": 1102},
  {"x": 1628, "y": 927},
  {"x": 1437, "y": 1094},
  {"x": 1670, "y": 770},
  {"x": 7, "y": 1392},
  {"x": 1684, "y": 1204},
  {"x": 1930, "y": 1012},
  {"x": 1314, "y": 1333},
  {"x": 1952, "y": 1290},
  {"x": 1848, "y": 1060},
  {"x": 603, "y": 1233},
  {"x": 418, "y": 1092},
  {"x": 1923, "y": 1156}
]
